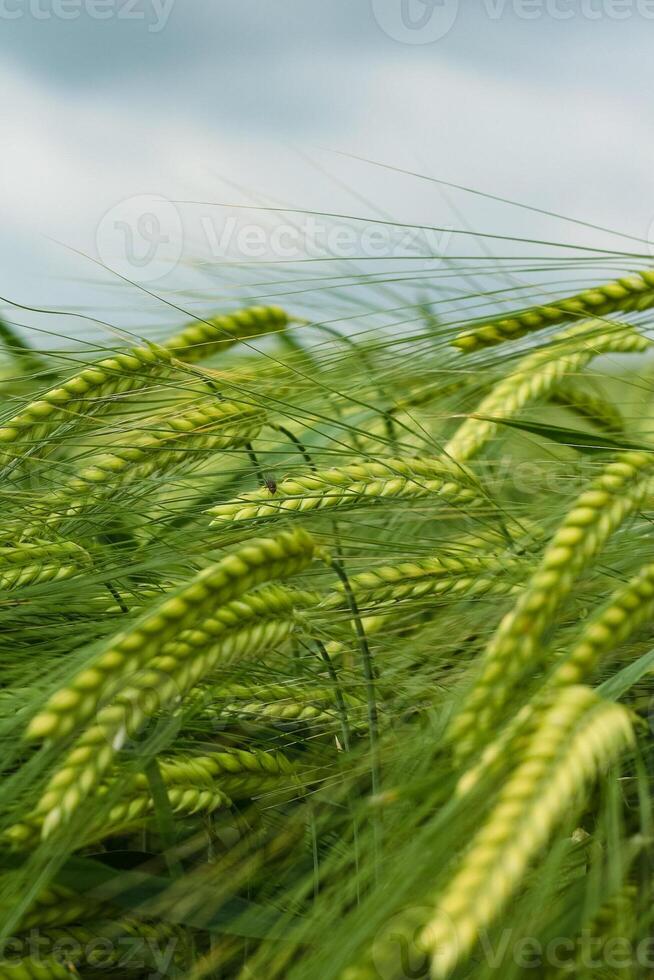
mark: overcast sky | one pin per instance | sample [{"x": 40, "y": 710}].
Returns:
[{"x": 113, "y": 109}]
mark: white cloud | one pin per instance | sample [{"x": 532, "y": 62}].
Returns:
[{"x": 66, "y": 160}]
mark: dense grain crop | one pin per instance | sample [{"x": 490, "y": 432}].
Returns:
[{"x": 327, "y": 649}]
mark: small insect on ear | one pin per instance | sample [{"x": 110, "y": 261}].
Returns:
[{"x": 271, "y": 483}]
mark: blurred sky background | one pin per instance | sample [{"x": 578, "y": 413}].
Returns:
[{"x": 241, "y": 101}]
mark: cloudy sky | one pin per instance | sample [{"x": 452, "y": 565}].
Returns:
[{"x": 116, "y": 112}]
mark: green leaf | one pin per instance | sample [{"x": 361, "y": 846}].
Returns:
[
  {"x": 618, "y": 685},
  {"x": 574, "y": 438}
]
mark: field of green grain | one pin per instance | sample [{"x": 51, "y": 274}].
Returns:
[{"x": 327, "y": 643}]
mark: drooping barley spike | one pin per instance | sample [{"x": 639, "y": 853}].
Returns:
[
  {"x": 185, "y": 799},
  {"x": 205, "y": 337},
  {"x": 245, "y": 627},
  {"x": 276, "y": 703},
  {"x": 58, "y": 906},
  {"x": 257, "y": 561},
  {"x": 599, "y": 411},
  {"x": 626, "y": 610},
  {"x": 628, "y": 294},
  {"x": 238, "y": 772},
  {"x": 161, "y": 445},
  {"x": 440, "y": 575},
  {"x": 125, "y": 815},
  {"x": 354, "y": 484},
  {"x": 30, "y": 562},
  {"x": 577, "y": 737},
  {"x": 283, "y": 712},
  {"x": 92, "y": 388},
  {"x": 537, "y": 374},
  {"x": 507, "y": 746},
  {"x": 516, "y": 645},
  {"x": 86, "y": 393}
]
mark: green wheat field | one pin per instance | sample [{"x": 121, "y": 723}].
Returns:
[{"x": 328, "y": 640}]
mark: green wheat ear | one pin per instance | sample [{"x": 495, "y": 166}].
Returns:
[
  {"x": 161, "y": 445},
  {"x": 205, "y": 337},
  {"x": 538, "y": 374},
  {"x": 440, "y": 575},
  {"x": 86, "y": 392},
  {"x": 577, "y": 737},
  {"x": 242, "y": 628},
  {"x": 258, "y": 561},
  {"x": 91, "y": 390},
  {"x": 631, "y": 293},
  {"x": 352, "y": 485},
  {"x": 30, "y": 562},
  {"x": 516, "y": 645},
  {"x": 628, "y": 608}
]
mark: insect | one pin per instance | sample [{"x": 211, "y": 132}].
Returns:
[{"x": 271, "y": 483}]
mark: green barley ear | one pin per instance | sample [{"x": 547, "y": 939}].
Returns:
[
  {"x": 127, "y": 815},
  {"x": 631, "y": 293},
  {"x": 537, "y": 374},
  {"x": 245, "y": 627},
  {"x": 258, "y": 561},
  {"x": 194, "y": 783},
  {"x": 162, "y": 444},
  {"x": 240, "y": 773},
  {"x": 76, "y": 398},
  {"x": 30, "y": 562},
  {"x": 625, "y": 611},
  {"x": 577, "y": 737},
  {"x": 356, "y": 483},
  {"x": 205, "y": 337},
  {"x": 91, "y": 389},
  {"x": 442, "y": 575},
  {"x": 58, "y": 906},
  {"x": 516, "y": 645},
  {"x": 276, "y": 703}
]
